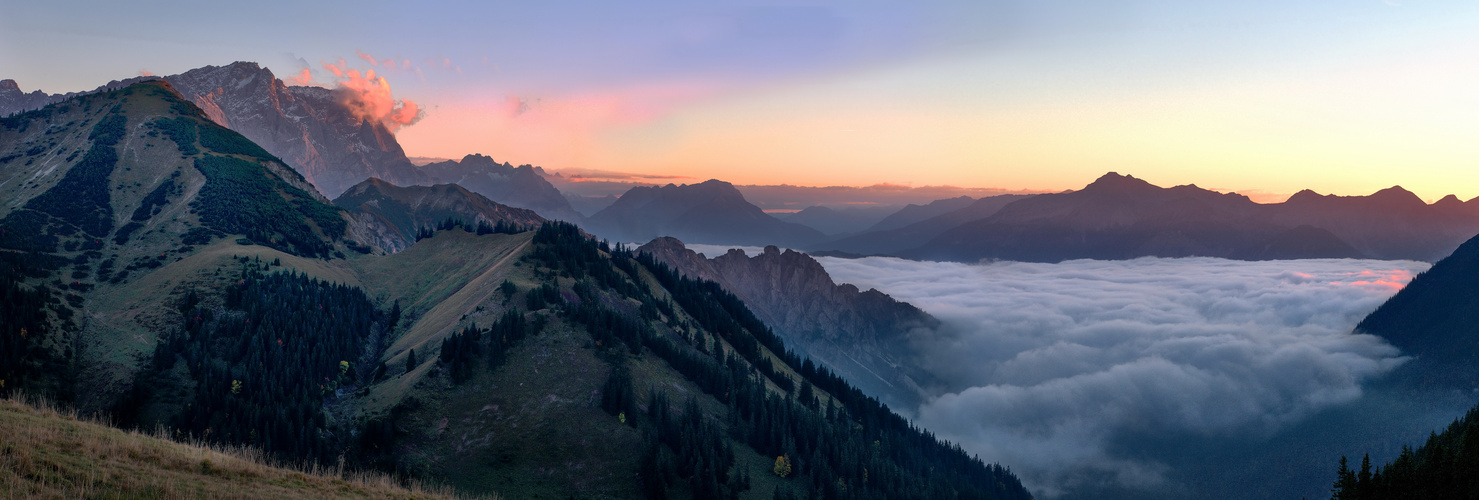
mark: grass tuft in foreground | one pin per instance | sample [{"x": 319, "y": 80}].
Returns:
[{"x": 48, "y": 453}]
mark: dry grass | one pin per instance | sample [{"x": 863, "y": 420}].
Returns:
[{"x": 46, "y": 453}]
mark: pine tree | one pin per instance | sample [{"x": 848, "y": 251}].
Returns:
[{"x": 410, "y": 360}]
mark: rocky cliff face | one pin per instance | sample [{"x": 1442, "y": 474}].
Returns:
[
  {"x": 308, "y": 127},
  {"x": 863, "y": 335}
]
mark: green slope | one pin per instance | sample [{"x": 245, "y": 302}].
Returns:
[{"x": 537, "y": 365}]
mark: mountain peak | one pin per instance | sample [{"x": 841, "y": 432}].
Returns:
[
  {"x": 1397, "y": 196},
  {"x": 1114, "y": 182},
  {"x": 1304, "y": 195},
  {"x": 8, "y": 84}
]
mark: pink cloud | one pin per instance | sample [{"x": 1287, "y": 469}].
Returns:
[
  {"x": 367, "y": 58},
  {"x": 304, "y": 77},
  {"x": 369, "y": 98}
]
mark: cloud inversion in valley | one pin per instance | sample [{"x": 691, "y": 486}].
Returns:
[{"x": 1048, "y": 366}]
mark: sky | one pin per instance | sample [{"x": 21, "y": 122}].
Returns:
[{"x": 1265, "y": 97}]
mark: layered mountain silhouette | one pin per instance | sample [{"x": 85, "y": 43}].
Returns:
[
  {"x": 863, "y": 335},
  {"x": 708, "y": 212},
  {"x": 912, "y": 213},
  {"x": 395, "y": 214},
  {"x": 523, "y": 186},
  {"x": 900, "y": 235},
  {"x": 1121, "y": 217},
  {"x": 839, "y": 221}
]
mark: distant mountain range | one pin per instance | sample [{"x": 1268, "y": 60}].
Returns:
[
  {"x": 915, "y": 224},
  {"x": 863, "y": 335},
  {"x": 1121, "y": 217},
  {"x": 708, "y": 212},
  {"x": 839, "y": 221},
  {"x": 523, "y": 186}
]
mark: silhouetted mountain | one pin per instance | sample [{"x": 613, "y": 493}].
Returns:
[
  {"x": 860, "y": 334},
  {"x": 1121, "y": 217},
  {"x": 395, "y": 214},
  {"x": 891, "y": 241},
  {"x": 521, "y": 186},
  {"x": 1434, "y": 319},
  {"x": 912, "y": 213},
  {"x": 1392, "y": 223},
  {"x": 709, "y": 212},
  {"x": 837, "y": 221}
]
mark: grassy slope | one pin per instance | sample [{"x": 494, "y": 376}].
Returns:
[
  {"x": 533, "y": 428},
  {"x": 46, "y": 454}
]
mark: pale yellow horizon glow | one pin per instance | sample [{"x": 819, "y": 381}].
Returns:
[{"x": 1351, "y": 126}]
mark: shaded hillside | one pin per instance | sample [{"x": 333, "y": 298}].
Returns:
[
  {"x": 898, "y": 239},
  {"x": 709, "y": 212},
  {"x": 863, "y": 335},
  {"x": 48, "y": 454},
  {"x": 395, "y": 214},
  {"x": 106, "y": 189},
  {"x": 541, "y": 364},
  {"x": 522, "y": 186},
  {"x": 1434, "y": 318}
]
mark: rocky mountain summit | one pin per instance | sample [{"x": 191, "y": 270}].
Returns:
[{"x": 863, "y": 334}]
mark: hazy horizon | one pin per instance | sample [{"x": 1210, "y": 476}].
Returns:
[{"x": 1268, "y": 96}]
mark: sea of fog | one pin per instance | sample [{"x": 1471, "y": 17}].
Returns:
[
  {"x": 1158, "y": 377},
  {"x": 1050, "y": 368}
]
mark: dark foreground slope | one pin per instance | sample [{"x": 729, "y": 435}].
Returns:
[
  {"x": 49, "y": 454},
  {"x": 1443, "y": 467},
  {"x": 237, "y": 310},
  {"x": 107, "y": 189},
  {"x": 1436, "y": 319}
]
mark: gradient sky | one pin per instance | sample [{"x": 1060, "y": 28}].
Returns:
[{"x": 1338, "y": 96}]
